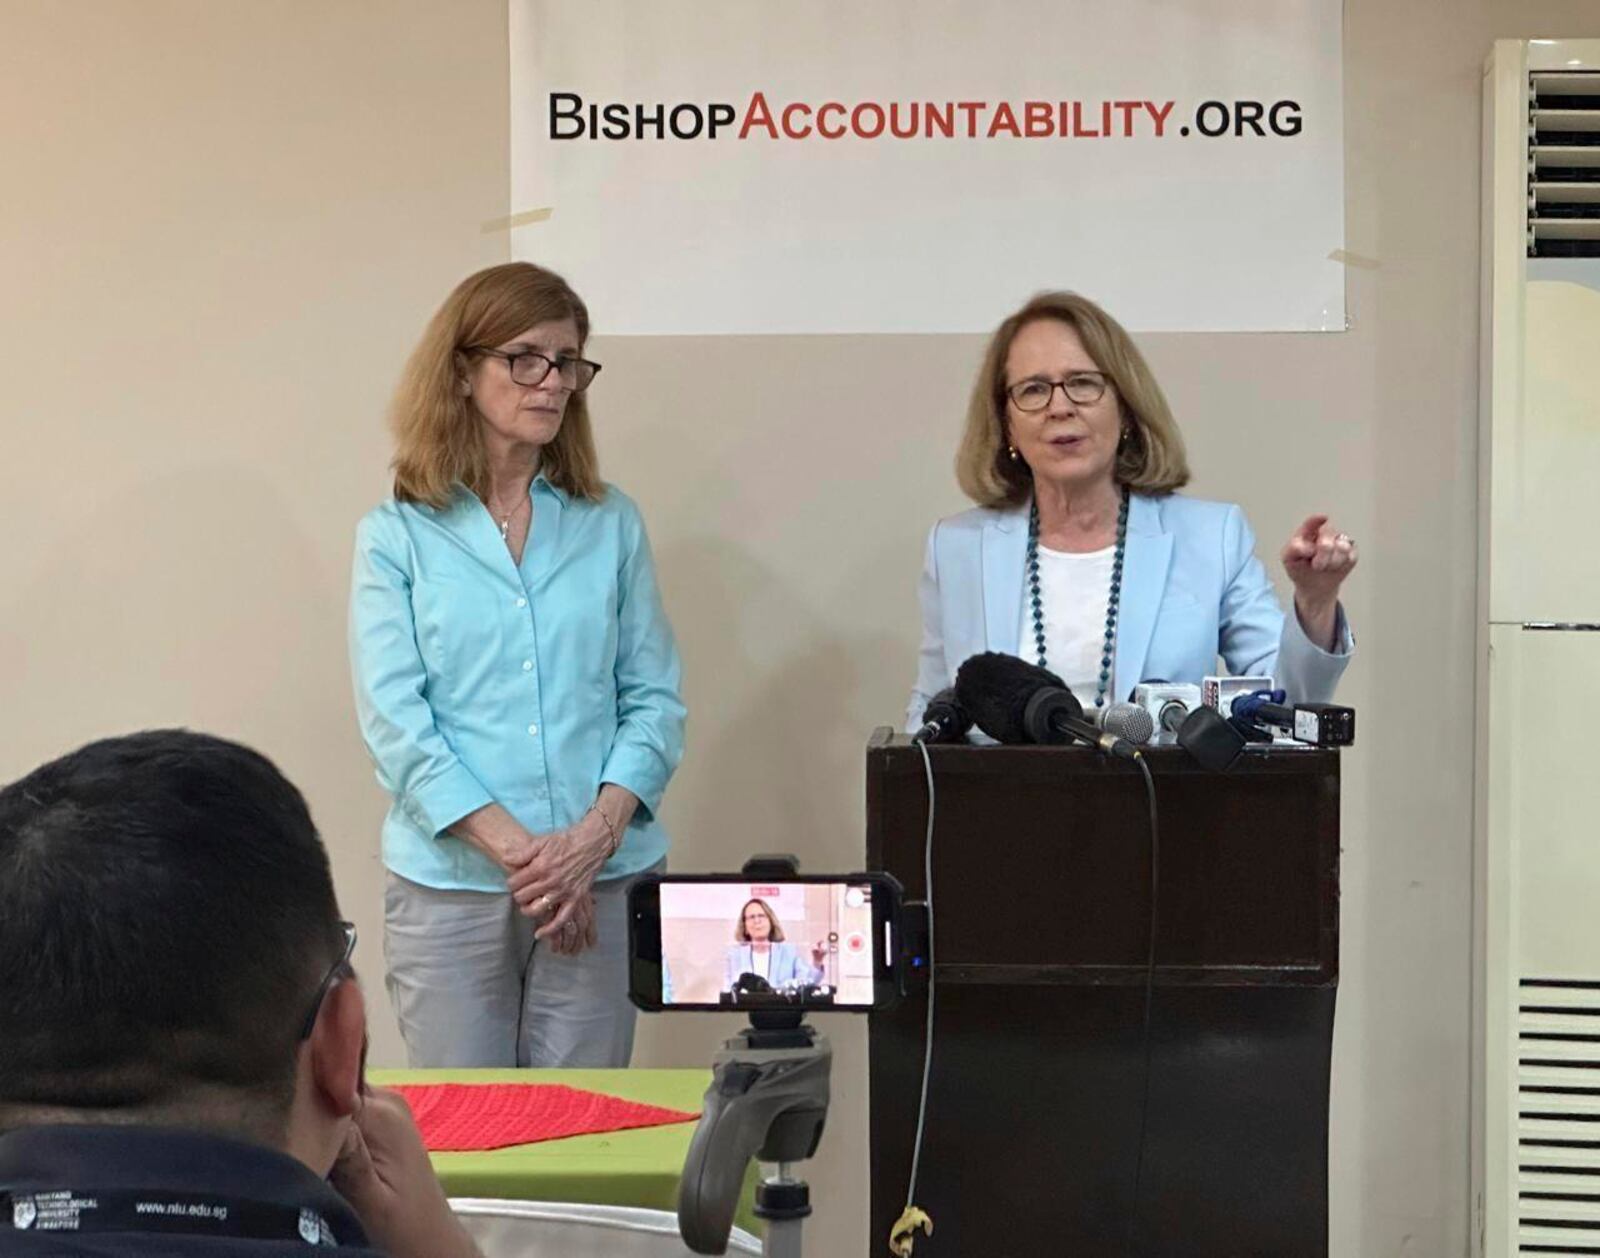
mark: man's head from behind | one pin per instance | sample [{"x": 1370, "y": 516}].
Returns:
[{"x": 167, "y": 923}]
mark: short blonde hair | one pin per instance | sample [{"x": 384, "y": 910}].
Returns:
[
  {"x": 438, "y": 431},
  {"x": 743, "y": 936},
  {"x": 1152, "y": 461}
]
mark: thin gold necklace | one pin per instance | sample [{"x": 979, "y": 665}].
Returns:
[{"x": 505, "y": 518}]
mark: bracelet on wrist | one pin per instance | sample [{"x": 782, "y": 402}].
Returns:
[{"x": 616, "y": 839}]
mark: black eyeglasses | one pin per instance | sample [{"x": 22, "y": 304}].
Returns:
[
  {"x": 338, "y": 969},
  {"x": 528, "y": 367},
  {"x": 1082, "y": 387}
]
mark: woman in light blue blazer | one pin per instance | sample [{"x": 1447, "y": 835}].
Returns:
[
  {"x": 1080, "y": 555},
  {"x": 761, "y": 949}
]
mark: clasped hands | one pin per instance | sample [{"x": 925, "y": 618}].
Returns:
[{"x": 550, "y": 876}]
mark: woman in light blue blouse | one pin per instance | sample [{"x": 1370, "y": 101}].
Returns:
[{"x": 517, "y": 685}]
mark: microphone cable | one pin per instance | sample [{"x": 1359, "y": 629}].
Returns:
[
  {"x": 901, "y": 1236},
  {"x": 522, "y": 1000},
  {"x": 1149, "y": 995}
]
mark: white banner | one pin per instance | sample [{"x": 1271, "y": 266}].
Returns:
[{"x": 826, "y": 166}]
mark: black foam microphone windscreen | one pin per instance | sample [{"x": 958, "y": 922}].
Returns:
[
  {"x": 995, "y": 690},
  {"x": 944, "y": 720}
]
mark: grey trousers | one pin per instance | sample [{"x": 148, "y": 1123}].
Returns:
[{"x": 472, "y": 988}]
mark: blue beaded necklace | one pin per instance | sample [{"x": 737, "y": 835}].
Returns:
[{"x": 1108, "y": 651}]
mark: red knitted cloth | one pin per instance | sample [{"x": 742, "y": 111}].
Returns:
[{"x": 457, "y": 1117}]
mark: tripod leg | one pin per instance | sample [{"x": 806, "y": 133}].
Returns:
[
  {"x": 783, "y": 1239},
  {"x": 782, "y": 1204}
]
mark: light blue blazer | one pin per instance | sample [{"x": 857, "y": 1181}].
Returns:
[
  {"x": 1192, "y": 590},
  {"x": 786, "y": 969}
]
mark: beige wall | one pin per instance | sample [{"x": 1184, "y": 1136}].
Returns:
[{"x": 223, "y": 224}]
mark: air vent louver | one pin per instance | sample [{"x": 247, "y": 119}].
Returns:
[
  {"x": 1564, "y": 165},
  {"x": 1558, "y": 1116}
]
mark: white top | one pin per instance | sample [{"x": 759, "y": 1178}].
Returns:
[
  {"x": 1075, "y": 591},
  {"x": 760, "y": 961}
]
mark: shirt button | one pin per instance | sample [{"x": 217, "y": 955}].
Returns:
[
  {"x": 533, "y": 729},
  {"x": 527, "y": 666},
  {"x": 522, "y": 602}
]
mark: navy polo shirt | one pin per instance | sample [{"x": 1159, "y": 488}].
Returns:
[{"x": 99, "y": 1191}]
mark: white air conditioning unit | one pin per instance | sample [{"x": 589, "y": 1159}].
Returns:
[{"x": 1536, "y": 1077}]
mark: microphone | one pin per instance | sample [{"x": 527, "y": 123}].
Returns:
[
  {"x": 1320, "y": 724},
  {"x": 1125, "y": 720},
  {"x": 749, "y": 984},
  {"x": 944, "y": 720},
  {"x": 1211, "y": 739},
  {"x": 1168, "y": 703},
  {"x": 1220, "y": 692},
  {"x": 1014, "y": 701}
]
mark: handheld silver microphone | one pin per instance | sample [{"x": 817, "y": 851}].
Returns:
[{"x": 1125, "y": 720}]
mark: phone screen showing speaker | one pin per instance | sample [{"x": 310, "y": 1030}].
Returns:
[{"x": 718, "y": 943}]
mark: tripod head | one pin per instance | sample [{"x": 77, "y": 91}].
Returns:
[{"x": 768, "y": 1099}]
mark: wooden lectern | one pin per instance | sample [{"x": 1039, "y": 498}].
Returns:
[{"x": 1041, "y": 870}]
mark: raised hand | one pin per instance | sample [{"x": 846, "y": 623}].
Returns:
[{"x": 1317, "y": 558}]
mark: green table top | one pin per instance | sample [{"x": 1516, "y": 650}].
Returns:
[{"x": 641, "y": 1167}]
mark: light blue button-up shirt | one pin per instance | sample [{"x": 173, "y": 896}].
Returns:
[{"x": 478, "y": 681}]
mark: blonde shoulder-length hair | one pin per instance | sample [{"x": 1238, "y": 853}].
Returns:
[
  {"x": 743, "y": 936},
  {"x": 1150, "y": 461},
  {"x": 438, "y": 432}
]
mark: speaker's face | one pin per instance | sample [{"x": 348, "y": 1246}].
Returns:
[
  {"x": 757, "y": 925},
  {"x": 1062, "y": 412}
]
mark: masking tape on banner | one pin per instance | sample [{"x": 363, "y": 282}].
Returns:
[
  {"x": 517, "y": 220},
  {"x": 1358, "y": 260}
]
